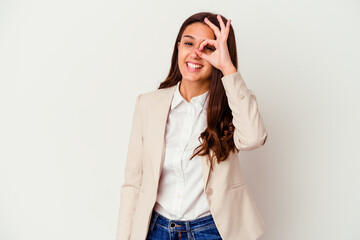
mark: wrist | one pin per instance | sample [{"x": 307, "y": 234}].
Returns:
[{"x": 229, "y": 70}]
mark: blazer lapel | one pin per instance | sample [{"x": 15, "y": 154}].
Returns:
[{"x": 158, "y": 116}]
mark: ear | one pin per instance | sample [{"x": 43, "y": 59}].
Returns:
[{"x": 178, "y": 44}]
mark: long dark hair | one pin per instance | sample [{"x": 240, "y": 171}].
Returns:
[{"x": 218, "y": 136}]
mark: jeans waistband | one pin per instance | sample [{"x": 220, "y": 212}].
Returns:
[{"x": 181, "y": 225}]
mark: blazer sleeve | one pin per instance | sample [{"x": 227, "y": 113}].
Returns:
[
  {"x": 250, "y": 132},
  {"x": 133, "y": 176}
]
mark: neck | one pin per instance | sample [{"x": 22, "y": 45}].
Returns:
[{"x": 190, "y": 89}]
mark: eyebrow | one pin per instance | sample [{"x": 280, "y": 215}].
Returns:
[{"x": 189, "y": 36}]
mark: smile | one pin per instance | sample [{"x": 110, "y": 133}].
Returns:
[{"x": 193, "y": 67}]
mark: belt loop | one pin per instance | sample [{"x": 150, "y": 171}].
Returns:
[
  {"x": 188, "y": 230},
  {"x": 154, "y": 220}
]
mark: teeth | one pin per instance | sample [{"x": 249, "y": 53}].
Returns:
[{"x": 194, "y": 66}]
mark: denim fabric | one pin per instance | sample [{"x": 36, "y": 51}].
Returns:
[{"x": 162, "y": 228}]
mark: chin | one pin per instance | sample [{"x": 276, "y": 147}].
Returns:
[{"x": 193, "y": 76}]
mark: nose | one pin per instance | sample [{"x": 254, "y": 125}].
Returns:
[{"x": 194, "y": 54}]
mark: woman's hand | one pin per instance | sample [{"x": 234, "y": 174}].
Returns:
[{"x": 220, "y": 58}]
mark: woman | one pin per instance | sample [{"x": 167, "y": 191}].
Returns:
[{"x": 183, "y": 178}]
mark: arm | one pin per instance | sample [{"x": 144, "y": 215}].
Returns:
[
  {"x": 133, "y": 177},
  {"x": 250, "y": 132}
]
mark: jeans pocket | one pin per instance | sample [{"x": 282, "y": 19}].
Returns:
[
  {"x": 158, "y": 232},
  {"x": 207, "y": 233},
  {"x": 153, "y": 221}
]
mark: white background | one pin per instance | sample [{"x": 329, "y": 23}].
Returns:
[{"x": 70, "y": 72}]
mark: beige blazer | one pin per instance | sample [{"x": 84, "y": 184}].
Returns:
[{"x": 231, "y": 203}]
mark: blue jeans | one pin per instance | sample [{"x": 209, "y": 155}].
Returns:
[{"x": 162, "y": 228}]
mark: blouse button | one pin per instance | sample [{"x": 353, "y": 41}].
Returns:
[
  {"x": 241, "y": 96},
  {"x": 209, "y": 191}
]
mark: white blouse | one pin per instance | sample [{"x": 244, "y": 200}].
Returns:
[{"x": 181, "y": 193}]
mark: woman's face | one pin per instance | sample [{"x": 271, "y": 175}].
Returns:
[{"x": 191, "y": 38}]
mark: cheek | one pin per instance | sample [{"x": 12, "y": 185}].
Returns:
[
  {"x": 209, "y": 67},
  {"x": 181, "y": 57}
]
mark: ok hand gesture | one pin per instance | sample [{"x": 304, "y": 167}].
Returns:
[{"x": 220, "y": 58}]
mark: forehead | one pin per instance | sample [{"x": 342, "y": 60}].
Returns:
[{"x": 199, "y": 31}]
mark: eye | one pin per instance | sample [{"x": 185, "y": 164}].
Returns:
[{"x": 209, "y": 48}]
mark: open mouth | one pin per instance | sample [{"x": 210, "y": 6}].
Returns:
[{"x": 193, "y": 67}]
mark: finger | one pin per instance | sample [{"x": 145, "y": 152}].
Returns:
[
  {"x": 202, "y": 55},
  {"x": 227, "y": 28},
  {"x": 208, "y": 42},
  {"x": 222, "y": 25},
  {"x": 213, "y": 27}
]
